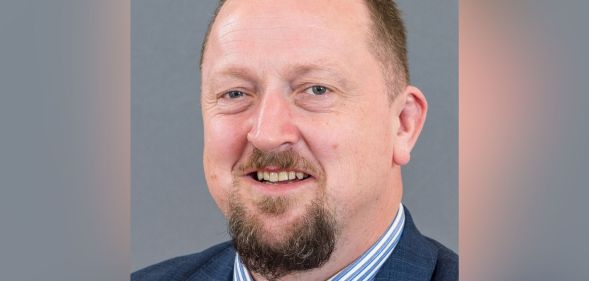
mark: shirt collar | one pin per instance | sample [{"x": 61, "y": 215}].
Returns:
[{"x": 363, "y": 268}]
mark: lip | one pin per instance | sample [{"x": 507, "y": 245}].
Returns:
[
  {"x": 277, "y": 188},
  {"x": 277, "y": 169}
]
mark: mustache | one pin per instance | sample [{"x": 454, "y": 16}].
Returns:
[{"x": 288, "y": 159}]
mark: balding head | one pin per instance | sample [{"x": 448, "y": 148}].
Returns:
[{"x": 386, "y": 36}]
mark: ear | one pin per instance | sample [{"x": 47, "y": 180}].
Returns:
[{"x": 411, "y": 111}]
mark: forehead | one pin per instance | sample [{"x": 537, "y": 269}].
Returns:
[{"x": 281, "y": 32}]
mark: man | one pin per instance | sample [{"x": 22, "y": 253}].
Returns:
[{"x": 308, "y": 117}]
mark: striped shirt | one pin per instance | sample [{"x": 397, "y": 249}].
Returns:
[{"x": 363, "y": 268}]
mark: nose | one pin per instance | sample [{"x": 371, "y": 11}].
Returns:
[{"x": 273, "y": 128}]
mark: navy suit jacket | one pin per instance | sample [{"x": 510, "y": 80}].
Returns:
[{"x": 415, "y": 258}]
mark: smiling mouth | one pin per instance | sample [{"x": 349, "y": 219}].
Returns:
[{"x": 278, "y": 177}]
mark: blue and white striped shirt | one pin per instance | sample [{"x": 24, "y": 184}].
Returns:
[{"x": 363, "y": 268}]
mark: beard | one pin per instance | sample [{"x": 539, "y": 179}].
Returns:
[{"x": 305, "y": 244}]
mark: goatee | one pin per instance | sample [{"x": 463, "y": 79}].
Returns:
[{"x": 310, "y": 241}]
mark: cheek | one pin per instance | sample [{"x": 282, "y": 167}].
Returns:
[
  {"x": 350, "y": 145},
  {"x": 224, "y": 140},
  {"x": 356, "y": 158},
  {"x": 334, "y": 147},
  {"x": 224, "y": 143}
]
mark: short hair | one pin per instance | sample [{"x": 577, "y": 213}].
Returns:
[{"x": 388, "y": 39}]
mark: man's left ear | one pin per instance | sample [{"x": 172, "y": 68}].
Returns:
[{"x": 411, "y": 110}]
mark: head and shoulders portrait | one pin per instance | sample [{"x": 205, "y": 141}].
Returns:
[{"x": 309, "y": 116}]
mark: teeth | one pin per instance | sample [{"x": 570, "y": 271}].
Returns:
[
  {"x": 283, "y": 176},
  {"x": 273, "y": 176},
  {"x": 279, "y": 176}
]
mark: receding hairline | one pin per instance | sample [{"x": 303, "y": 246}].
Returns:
[{"x": 386, "y": 39}]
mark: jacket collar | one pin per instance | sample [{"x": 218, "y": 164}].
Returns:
[
  {"x": 218, "y": 268},
  {"x": 414, "y": 259}
]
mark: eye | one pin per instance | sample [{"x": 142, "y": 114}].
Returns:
[
  {"x": 234, "y": 94},
  {"x": 317, "y": 90},
  {"x": 233, "y": 101},
  {"x": 317, "y": 98}
]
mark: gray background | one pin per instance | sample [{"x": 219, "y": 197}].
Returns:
[
  {"x": 64, "y": 110},
  {"x": 171, "y": 211}
]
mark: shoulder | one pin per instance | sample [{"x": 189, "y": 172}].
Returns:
[
  {"x": 217, "y": 259},
  {"x": 418, "y": 257},
  {"x": 446, "y": 263}
]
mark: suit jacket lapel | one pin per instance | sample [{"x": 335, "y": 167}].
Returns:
[
  {"x": 218, "y": 268},
  {"x": 413, "y": 259}
]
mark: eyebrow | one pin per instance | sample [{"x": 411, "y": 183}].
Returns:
[
  {"x": 291, "y": 72},
  {"x": 308, "y": 68},
  {"x": 237, "y": 72},
  {"x": 230, "y": 72}
]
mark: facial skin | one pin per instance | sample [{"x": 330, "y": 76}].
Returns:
[{"x": 299, "y": 76}]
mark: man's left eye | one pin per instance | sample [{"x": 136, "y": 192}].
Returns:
[
  {"x": 317, "y": 90},
  {"x": 234, "y": 94}
]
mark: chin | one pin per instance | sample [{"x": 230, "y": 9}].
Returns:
[{"x": 280, "y": 223}]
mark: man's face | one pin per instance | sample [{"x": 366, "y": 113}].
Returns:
[{"x": 293, "y": 94}]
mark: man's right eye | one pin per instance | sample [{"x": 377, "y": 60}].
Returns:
[
  {"x": 234, "y": 94},
  {"x": 233, "y": 101}
]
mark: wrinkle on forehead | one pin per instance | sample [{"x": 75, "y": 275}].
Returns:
[
  {"x": 234, "y": 33},
  {"x": 238, "y": 41},
  {"x": 292, "y": 15},
  {"x": 265, "y": 30},
  {"x": 259, "y": 23}
]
